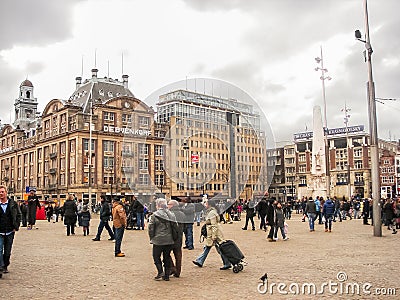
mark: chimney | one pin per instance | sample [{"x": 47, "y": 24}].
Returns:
[
  {"x": 94, "y": 73},
  {"x": 78, "y": 82},
  {"x": 125, "y": 80}
]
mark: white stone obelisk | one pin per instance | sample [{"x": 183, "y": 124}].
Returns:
[{"x": 318, "y": 167}]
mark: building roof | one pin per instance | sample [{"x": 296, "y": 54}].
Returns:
[
  {"x": 99, "y": 89},
  {"x": 26, "y": 82}
]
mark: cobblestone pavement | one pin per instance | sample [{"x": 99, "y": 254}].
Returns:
[{"x": 46, "y": 264}]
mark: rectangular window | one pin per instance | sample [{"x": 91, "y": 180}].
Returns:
[
  {"x": 108, "y": 162},
  {"x": 302, "y": 168},
  {"x": 143, "y": 164},
  {"x": 159, "y": 150},
  {"x": 358, "y": 164},
  {"x": 108, "y": 146},
  {"x": 143, "y": 179},
  {"x": 143, "y": 149},
  {"x": 342, "y": 178},
  {"x": 126, "y": 118},
  {"x": 144, "y": 121},
  {"x": 109, "y": 116}
]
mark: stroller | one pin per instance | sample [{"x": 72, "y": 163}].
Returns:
[{"x": 231, "y": 251}]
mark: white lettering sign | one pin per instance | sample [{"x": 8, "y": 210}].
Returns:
[{"x": 125, "y": 130}]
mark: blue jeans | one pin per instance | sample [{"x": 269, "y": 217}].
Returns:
[
  {"x": 188, "y": 230},
  {"x": 6, "y": 242},
  {"x": 311, "y": 219},
  {"x": 328, "y": 222},
  {"x": 119, "y": 233},
  {"x": 197, "y": 216},
  {"x": 103, "y": 224},
  {"x": 140, "y": 220},
  {"x": 202, "y": 258}
]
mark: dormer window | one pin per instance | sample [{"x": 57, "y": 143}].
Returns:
[
  {"x": 101, "y": 92},
  {"x": 110, "y": 94}
]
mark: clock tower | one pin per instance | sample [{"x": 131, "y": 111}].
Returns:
[{"x": 25, "y": 107}]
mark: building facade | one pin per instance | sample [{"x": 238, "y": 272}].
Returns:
[
  {"x": 102, "y": 140},
  {"x": 217, "y": 146},
  {"x": 348, "y": 160}
]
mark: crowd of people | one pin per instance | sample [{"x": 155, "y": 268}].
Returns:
[{"x": 170, "y": 223}]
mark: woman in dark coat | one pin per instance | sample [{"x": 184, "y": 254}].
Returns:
[
  {"x": 33, "y": 203},
  {"x": 70, "y": 214}
]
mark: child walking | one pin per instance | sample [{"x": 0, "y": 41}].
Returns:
[{"x": 85, "y": 220}]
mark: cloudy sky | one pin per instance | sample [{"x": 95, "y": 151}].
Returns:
[{"x": 265, "y": 48}]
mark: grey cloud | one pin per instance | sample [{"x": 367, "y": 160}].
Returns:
[{"x": 39, "y": 22}]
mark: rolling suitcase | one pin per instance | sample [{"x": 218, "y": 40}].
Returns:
[{"x": 232, "y": 252}]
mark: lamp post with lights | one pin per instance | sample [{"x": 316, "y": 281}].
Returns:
[{"x": 373, "y": 128}]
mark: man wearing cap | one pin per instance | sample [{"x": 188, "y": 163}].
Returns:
[{"x": 10, "y": 218}]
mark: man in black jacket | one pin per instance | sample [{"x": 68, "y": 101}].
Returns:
[
  {"x": 271, "y": 218},
  {"x": 10, "y": 218},
  {"x": 105, "y": 213},
  {"x": 139, "y": 209},
  {"x": 262, "y": 207}
]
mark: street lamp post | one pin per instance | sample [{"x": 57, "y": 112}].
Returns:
[
  {"x": 186, "y": 148},
  {"x": 320, "y": 60},
  {"x": 372, "y": 127}
]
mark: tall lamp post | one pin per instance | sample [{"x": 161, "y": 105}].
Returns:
[
  {"x": 372, "y": 127},
  {"x": 320, "y": 61},
  {"x": 186, "y": 148}
]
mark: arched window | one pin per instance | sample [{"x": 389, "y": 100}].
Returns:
[{"x": 28, "y": 94}]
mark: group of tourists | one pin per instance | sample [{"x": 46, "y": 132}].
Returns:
[{"x": 170, "y": 223}]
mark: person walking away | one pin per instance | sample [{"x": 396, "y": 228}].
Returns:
[
  {"x": 49, "y": 212},
  {"x": 105, "y": 214},
  {"x": 160, "y": 234},
  {"x": 79, "y": 207},
  {"x": 271, "y": 219},
  {"x": 139, "y": 208},
  {"x": 249, "y": 208},
  {"x": 311, "y": 211},
  {"x": 176, "y": 268},
  {"x": 188, "y": 210},
  {"x": 57, "y": 211},
  {"x": 262, "y": 207},
  {"x": 10, "y": 218},
  {"x": 33, "y": 204},
  {"x": 328, "y": 210},
  {"x": 318, "y": 208},
  {"x": 198, "y": 210},
  {"x": 70, "y": 214},
  {"x": 365, "y": 211},
  {"x": 214, "y": 235},
  {"x": 356, "y": 209},
  {"x": 280, "y": 223},
  {"x": 119, "y": 223},
  {"x": 85, "y": 219},
  {"x": 337, "y": 209},
  {"x": 24, "y": 210}
]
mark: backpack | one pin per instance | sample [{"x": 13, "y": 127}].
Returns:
[{"x": 203, "y": 233}]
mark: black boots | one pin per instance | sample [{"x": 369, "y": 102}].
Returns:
[
  {"x": 160, "y": 273},
  {"x": 166, "y": 274}
]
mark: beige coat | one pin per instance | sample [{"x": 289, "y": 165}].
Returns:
[{"x": 214, "y": 233}]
